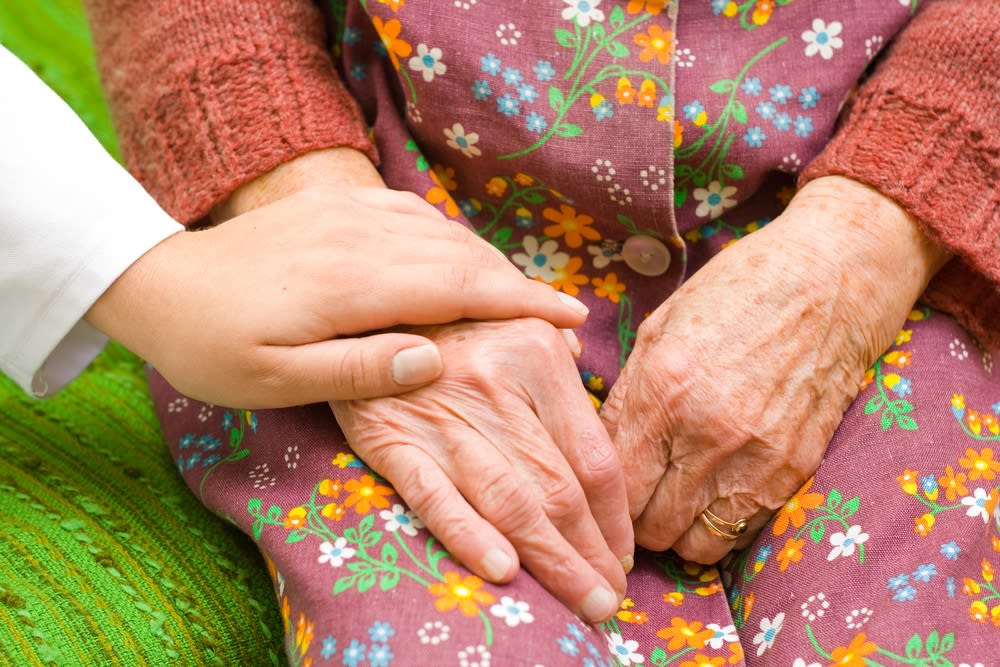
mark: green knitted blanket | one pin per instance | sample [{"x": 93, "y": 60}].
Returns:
[{"x": 105, "y": 556}]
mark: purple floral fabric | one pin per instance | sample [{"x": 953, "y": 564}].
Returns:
[{"x": 561, "y": 131}]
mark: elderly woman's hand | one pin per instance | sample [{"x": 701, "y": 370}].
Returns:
[
  {"x": 504, "y": 458},
  {"x": 739, "y": 380}
]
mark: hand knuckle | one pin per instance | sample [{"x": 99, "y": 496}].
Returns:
[
  {"x": 564, "y": 500},
  {"x": 506, "y": 504}
]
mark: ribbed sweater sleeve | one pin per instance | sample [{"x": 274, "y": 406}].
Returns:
[
  {"x": 206, "y": 96},
  {"x": 925, "y": 131}
]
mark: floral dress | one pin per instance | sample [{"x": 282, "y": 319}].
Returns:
[{"x": 611, "y": 148}]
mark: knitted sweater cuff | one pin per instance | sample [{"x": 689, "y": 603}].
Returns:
[
  {"x": 925, "y": 131},
  {"x": 209, "y": 95}
]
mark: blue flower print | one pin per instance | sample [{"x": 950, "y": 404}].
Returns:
[
  {"x": 604, "y": 110},
  {"x": 897, "y": 582},
  {"x": 925, "y": 572},
  {"x": 780, "y": 94},
  {"x": 949, "y": 585},
  {"x": 752, "y": 86},
  {"x": 592, "y": 650},
  {"x": 481, "y": 89},
  {"x": 490, "y": 64},
  {"x": 929, "y": 485},
  {"x": 782, "y": 122},
  {"x": 536, "y": 122},
  {"x": 905, "y": 594},
  {"x": 766, "y": 110},
  {"x": 718, "y": 6},
  {"x": 512, "y": 76},
  {"x": 568, "y": 646},
  {"x": 381, "y": 632},
  {"x": 755, "y": 137},
  {"x": 227, "y": 420},
  {"x": 354, "y": 654},
  {"x": 188, "y": 439},
  {"x": 527, "y": 93},
  {"x": 904, "y": 387},
  {"x": 996, "y": 408},
  {"x": 379, "y": 48},
  {"x": 252, "y": 418},
  {"x": 803, "y": 126},
  {"x": 575, "y": 631},
  {"x": 380, "y": 655},
  {"x": 358, "y": 71},
  {"x": 508, "y": 106},
  {"x": 329, "y": 647},
  {"x": 469, "y": 208},
  {"x": 543, "y": 70},
  {"x": 693, "y": 109},
  {"x": 809, "y": 97},
  {"x": 950, "y": 550},
  {"x": 351, "y": 35}
]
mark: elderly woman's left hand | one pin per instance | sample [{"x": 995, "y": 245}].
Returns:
[{"x": 739, "y": 380}]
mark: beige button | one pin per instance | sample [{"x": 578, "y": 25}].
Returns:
[{"x": 646, "y": 256}]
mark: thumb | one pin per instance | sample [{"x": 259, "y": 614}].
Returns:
[{"x": 355, "y": 368}]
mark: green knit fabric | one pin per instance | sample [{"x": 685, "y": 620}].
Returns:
[{"x": 106, "y": 558}]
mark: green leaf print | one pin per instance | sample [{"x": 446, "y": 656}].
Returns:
[
  {"x": 817, "y": 532},
  {"x": 556, "y": 99},
  {"x": 565, "y": 38},
  {"x": 618, "y": 50},
  {"x": 569, "y": 130}
]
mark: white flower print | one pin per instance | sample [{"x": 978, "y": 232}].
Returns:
[
  {"x": 958, "y": 350},
  {"x": 722, "y": 636},
  {"x": 844, "y": 544},
  {"x": 428, "y": 62},
  {"x": 508, "y": 34},
  {"x": 823, "y": 38},
  {"x": 799, "y": 662},
  {"x": 873, "y": 45},
  {"x": 335, "y": 553},
  {"x": 474, "y": 656},
  {"x": 463, "y": 141},
  {"x": 434, "y": 633},
  {"x": 714, "y": 200},
  {"x": 965, "y": 664},
  {"x": 977, "y": 504},
  {"x": 769, "y": 630},
  {"x": 402, "y": 519},
  {"x": 624, "y": 650},
  {"x": 857, "y": 618},
  {"x": 609, "y": 251},
  {"x": 815, "y": 607},
  {"x": 512, "y": 612},
  {"x": 541, "y": 261},
  {"x": 583, "y": 12}
]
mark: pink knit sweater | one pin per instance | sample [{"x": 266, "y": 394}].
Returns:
[{"x": 209, "y": 95}]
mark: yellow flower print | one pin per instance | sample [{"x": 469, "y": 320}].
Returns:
[
  {"x": 953, "y": 484},
  {"x": 394, "y": 5},
  {"x": 389, "y": 32},
  {"x": 331, "y": 487},
  {"x": 978, "y": 611},
  {"x": 523, "y": 179},
  {"x": 904, "y": 336},
  {"x": 608, "y": 287},
  {"x": 991, "y": 424},
  {"x": 625, "y": 94},
  {"x": 496, "y": 186},
  {"x": 970, "y": 586},
  {"x": 762, "y": 11},
  {"x": 461, "y": 592},
  {"x": 972, "y": 419},
  {"x": 987, "y": 571},
  {"x": 899, "y": 358},
  {"x": 923, "y": 524},
  {"x": 730, "y": 10},
  {"x": 908, "y": 481},
  {"x": 656, "y": 43},
  {"x": 682, "y": 633},
  {"x": 334, "y": 511},
  {"x": 572, "y": 225},
  {"x": 444, "y": 180},
  {"x": 980, "y": 464},
  {"x": 303, "y": 634},
  {"x": 794, "y": 511},
  {"x": 568, "y": 279},
  {"x": 296, "y": 518},
  {"x": 674, "y": 598},
  {"x": 647, "y": 94},
  {"x": 343, "y": 459},
  {"x": 790, "y": 553},
  {"x": 654, "y": 7},
  {"x": 365, "y": 493},
  {"x": 853, "y": 655},
  {"x": 996, "y": 543}
]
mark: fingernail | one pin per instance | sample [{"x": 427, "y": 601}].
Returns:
[
  {"x": 573, "y": 303},
  {"x": 416, "y": 365},
  {"x": 571, "y": 341},
  {"x": 628, "y": 562},
  {"x": 496, "y": 564},
  {"x": 599, "y": 604}
]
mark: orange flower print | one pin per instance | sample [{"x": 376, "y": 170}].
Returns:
[
  {"x": 496, "y": 186},
  {"x": 790, "y": 553},
  {"x": 675, "y": 598},
  {"x": 334, "y": 511},
  {"x": 794, "y": 511},
  {"x": 701, "y": 659},
  {"x": 656, "y": 42},
  {"x": 461, "y": 592},
  {"x": 978, "y": 611},
  {"x": 625, "y": 93},
  {"x": 654, "y": 7},
  {"x": 444, "y": 180},
  {"x": 609, "y": 287},
  {"x": 908, "y": 481},
  {"x": 389, "y": 33},
  {"x": 987, "y": 571},
  {"x": 296, "y": 518},
  {"x": 762, "y": 11},
  {"x": 853, "y": 655},
  {"x": 303, "y": 633},
  {"x": 980, "y": 464},
  {"x": 647, "y": 94},
  {"x": 574, "y": 226},
  {"x": 394, "y": 5},
  {"x": 342, "y": 460},
  {"x": 331, "y": 487},
  {"x": 678, "y": 134},
  {"x": 365, "y": 493},
  {"x": 736, "y": 653},
  {"x": 681, "y": 632},
  {"x": 970, "y": 586},
  {"x": 923, "y": 524},
  {"x": 991, "y": 423},
  {"x": 567, "y": 279},
  {"x": 899, "y": 358},
  {"x": 953, "y": 484}
]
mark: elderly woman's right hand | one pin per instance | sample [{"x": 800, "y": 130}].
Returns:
[{"x": 504, "y": 458}]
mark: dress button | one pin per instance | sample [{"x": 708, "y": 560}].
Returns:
[{"x": 646, "y": 256}]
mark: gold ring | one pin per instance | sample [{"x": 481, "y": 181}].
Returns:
[{"x": 722, "y": 528}]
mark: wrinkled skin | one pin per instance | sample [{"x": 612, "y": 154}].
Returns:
[
  {"x": 738, "y": 381},
  {"x": 505, "y": 451}
]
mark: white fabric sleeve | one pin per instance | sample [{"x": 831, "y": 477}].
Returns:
[{"x": 71, "y": 221}]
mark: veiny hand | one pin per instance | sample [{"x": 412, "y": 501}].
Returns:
[
  {"x": 505, "y": 459},
  {"x": 264, "y": 310},
  {"x": 739, "y": 380}
]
